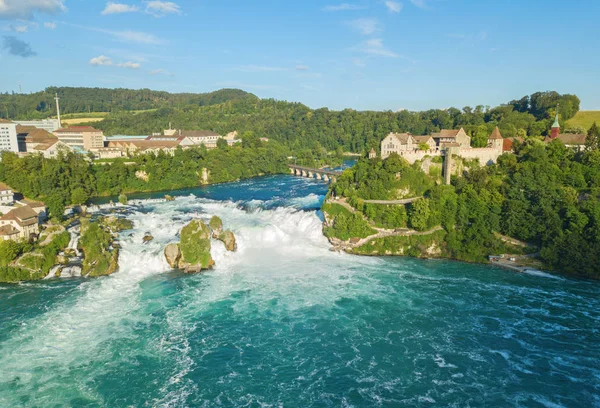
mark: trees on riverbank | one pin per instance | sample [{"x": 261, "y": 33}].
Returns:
[{"x": 547, "y": 195}]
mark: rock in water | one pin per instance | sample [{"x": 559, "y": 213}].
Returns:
[
  {"x": 216, "y": 225},
  {"x": 195, "y": 247},
  {"x": 172, "y": 254},
  {"x": 228, "y": 239},
  {"x": 147, "y": 238},
  {"x": 169, "y": 198}
]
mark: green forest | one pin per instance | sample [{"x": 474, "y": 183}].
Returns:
[
  {"x": 546, "y": 195},
  {"x": 292, "y": 124},
  {"x": 73, "y": 179},
  {"x": 41, "y": 105}
]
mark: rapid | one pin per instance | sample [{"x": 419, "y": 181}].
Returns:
[{"x": 284, "y": 321}]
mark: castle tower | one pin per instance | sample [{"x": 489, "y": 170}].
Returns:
[
  {"x": 372, "y": 154},
  {"x": 555, "y": 127},
  {"x": 496, "y": 141}
]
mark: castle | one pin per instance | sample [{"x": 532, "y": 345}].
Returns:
[{"x": 413, "y": 148}]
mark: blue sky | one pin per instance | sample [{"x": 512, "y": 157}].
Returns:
[{"x": 360, "y": 54}]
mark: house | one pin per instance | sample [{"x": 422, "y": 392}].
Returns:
[
  {"x": 508, "y": 143},
  {"x": 21, "y": 223},
  {"x": 576, "y": 141},
  {"x": 7, "y": 195},
  {"x": 108, "y": 153},
  {"x": 397, "y": 143},
  {"x": 8, "y": 136},
  {"x": 52, "y": 149},
  {"x": 37, "y": 206},
  {"x": 49, "y": 125},
  {"x": 372, "y": 154},
  {"x": 446, "y": 136},
  {"x": 571, "y": 140},
  {"x": 81, "y": 137},
  {"x": 426, "y": 140}
]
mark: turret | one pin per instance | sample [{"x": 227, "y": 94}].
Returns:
[
  {"x": 496, "y": 140},
  {"x": 555, "y": 127}
]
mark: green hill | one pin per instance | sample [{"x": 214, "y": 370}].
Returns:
[
  {"x": 585, "y": 119},
  {"x": 41, "y": 104}
]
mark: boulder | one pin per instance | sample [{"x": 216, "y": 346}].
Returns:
[
  {"x": 169, "y": 198},
  {"x": 216, "y": 225},
  {"x": 228, "y": 239},
  {"x": 117, "y": 224},
  {"x": 195, "y": 247},
  {"x": 172, "y": 254},
  {"x": 147, "y": 238}
]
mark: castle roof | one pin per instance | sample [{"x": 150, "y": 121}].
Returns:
[
  {"x": 496, "y": 134},
  {"x": 402, "y": 137}
]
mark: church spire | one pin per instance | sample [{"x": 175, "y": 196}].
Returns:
[{"x": 556, "y": 126}]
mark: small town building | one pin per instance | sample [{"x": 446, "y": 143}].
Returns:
[
  {"x": 8, "y": 136},
  {"x": 49, "y": 125},
  {"x": 572, "y": 140},
  {"x": 372, "y": 154},
  {"x": 426, "y": 140},
  {"x": 448, "y": 136},
  {"x": 7, "y": 196},
  {"x": 81, "y": 137},
  {"x": 397, "y": 143},
  {"x": 21, "y": 223},
  {"x": 508, "y": 143}
]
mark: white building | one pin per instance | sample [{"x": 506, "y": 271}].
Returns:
[
  {"x": 49, "y": 125},
  {"x": 81, "y": 137},
  {"x": 8, "y": 136},
  {"x": 6, "y": 194}
]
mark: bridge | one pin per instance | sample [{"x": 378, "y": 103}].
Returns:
[{"x": 319, "y": 174}]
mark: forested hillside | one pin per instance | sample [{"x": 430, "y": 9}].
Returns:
[
  {"x": 85, "y": 100},
  {"x": 300, "y": 127},
  {"x": 545, "y": 194},
  {"x": 293, "y": 124}
]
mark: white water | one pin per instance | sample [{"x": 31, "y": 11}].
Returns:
[{"x": 284, "y": 249}]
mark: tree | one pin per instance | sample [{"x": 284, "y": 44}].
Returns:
[
  {"x": 123, "y": 199},
  {"x": 79, "y": 196},
  {"x": 592, "y": 141},
  {"x": 419, "y": 214},
  {"x": 56, "y": 205},
  {"x": 222, "y": 144}
]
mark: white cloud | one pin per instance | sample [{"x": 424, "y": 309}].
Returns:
[
  {"x": 101, "y": 60},
  {"x": 117, "y": 8},
  {"x": 393, "y": 6},
  {"x": 20, "y": 29},
  {"x": 302, "y": 68},
  {"x": 162, "y": 8},
  {"x": 124, "y": 35},
  {"x": 375, "y": 47},
  {"x": 129, "y": 64},
  {"x": 50, "y": 25},
  {"x": 12, "y": 9},
  {"x": 157, "y": 71},
  {"x": 419, "y": 3},
  {"x": 343, "y": 7},
  {"x": 365, "y": 26}
]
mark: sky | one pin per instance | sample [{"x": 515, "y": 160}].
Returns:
[{"x": 359, "y": 54}]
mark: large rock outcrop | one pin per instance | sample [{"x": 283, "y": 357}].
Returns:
[
  {"x": 216, "y": 225},
  {"x": 195, "y": 247},
  {"x": 228, "y": 239},
  {"x": 173, "y": 255}
]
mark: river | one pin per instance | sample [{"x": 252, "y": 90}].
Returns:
[{"x": 284, "y": 322}]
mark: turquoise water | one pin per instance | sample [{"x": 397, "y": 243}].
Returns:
[{"x": 286, "y": 322}]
